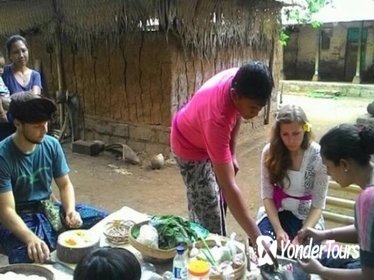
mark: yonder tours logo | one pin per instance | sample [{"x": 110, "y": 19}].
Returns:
[{"x": 288, "y": 250}]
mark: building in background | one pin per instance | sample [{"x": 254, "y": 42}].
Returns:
[{"x": 341, "y": 49}]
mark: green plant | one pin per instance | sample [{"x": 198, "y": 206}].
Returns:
[{"x": 283, "y": 38}]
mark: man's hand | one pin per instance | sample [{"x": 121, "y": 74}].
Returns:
[
  {"x": 37, "y": 250},
  {"x": 73, "y": 219},
  {"x": 235, "y": 164}
]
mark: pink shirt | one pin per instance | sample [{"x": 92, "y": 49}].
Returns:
[{"x": 202, "y": 129}]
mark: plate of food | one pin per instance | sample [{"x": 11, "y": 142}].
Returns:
[{"x": 72, "y": 245}]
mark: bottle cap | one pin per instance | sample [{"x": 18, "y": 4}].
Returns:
[
  {"x": 198, "y": 267},
  {"x": 180, "y": 249}
]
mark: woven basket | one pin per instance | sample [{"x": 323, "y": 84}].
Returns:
[
  {"x": 239, "y": 272},
  {"x": 28, "y": 269},
  {"x": 152, "y": 254}
]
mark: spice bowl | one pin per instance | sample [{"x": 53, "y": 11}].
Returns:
[{"x": 117, "y": 231}]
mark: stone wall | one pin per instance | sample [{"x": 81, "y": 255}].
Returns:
[{"x": 149, "y": 139}]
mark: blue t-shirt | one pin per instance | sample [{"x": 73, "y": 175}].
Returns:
[
  {"x": 13, "y": 85},
  {"x": 30, "y": 176}
]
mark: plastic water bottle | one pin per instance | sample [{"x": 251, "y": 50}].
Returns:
[{"x": 179, "y": 263}]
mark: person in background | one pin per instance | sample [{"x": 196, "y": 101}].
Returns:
[
  {"x": 346, "y": 151},
  {"x": 293, "y": 178},
  {"x": 4, "y": 94},
  {"x": 17, "y": 76},
  {"x": 204, "y": 133},
  {"x": 108, "y": 263},
  {"x": 29, "y": 161}
]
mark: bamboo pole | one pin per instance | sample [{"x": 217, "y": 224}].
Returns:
[
  {"x": 351, "y": 189},
  {"x": 343, "y": 219},
  {"x": 341, "y": 202}
]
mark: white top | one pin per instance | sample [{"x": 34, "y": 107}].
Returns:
[{"x": 311, "y": 179}]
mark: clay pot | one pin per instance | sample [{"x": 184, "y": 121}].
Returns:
[
  {"x": 157, "y": 161},
  {"x": 370, "y": 108}
]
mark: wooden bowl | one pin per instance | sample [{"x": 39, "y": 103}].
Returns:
[
  {"x": 148, "y": 253},
  {"x": 28, "y": 269},
  {"x": 73, "y": 245},
  {"x": 117, "y": 231}
]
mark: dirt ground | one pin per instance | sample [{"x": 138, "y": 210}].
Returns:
[{"x": 109, "y": 183}]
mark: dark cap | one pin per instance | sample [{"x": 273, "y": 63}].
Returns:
[{"x": 31, "y": 108}]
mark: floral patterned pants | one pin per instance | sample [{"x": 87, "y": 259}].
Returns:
[{"x": 205, "y": 202}]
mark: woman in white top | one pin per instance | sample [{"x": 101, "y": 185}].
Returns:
[{"x": 293, "y": 178}]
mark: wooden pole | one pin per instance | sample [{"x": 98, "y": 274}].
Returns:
[
  {"x": 271, "y": 62},
  {"x": 318, "y": 50},
  {"x": 61, "y": 91},
  {"x": 357, "y": 78}
]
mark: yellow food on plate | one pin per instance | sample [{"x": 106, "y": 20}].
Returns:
[
  {"x": 70, "y": 242},
  {"x": 76, "y": 238}
]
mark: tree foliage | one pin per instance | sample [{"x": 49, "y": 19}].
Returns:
[
  {"x": 315, "y": 5},
  {"x": 304, "y": 16},
  {"x": 301, "y": 16}
]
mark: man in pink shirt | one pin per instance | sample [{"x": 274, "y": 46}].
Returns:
[{"x": 203, "y": 138}]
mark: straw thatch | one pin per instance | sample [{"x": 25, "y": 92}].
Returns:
[{"x": 200, "y": 25}]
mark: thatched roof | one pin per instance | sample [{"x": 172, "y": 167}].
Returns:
[{"x": 202, "y": 25}]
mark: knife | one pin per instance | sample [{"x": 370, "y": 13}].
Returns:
[{"x": 60, "y": 266}]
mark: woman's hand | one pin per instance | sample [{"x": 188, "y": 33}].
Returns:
[
  {"x": 73, "y": 219},
  {"x": 282, "y": 238},
  {"x": 311, "y": 266},
  {"x": 304, "y": 234},
  {"x": 37, "y": 250},
  {"x": 296, "y": 241}
]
